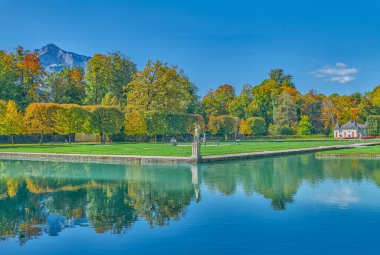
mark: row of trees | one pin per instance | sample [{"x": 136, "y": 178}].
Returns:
[
  {"x": 285, "y": 110},
  {"x": 159, "y": 92},
  {"x": 63, "y": 119},
  {"x": 68, "y": 119}
]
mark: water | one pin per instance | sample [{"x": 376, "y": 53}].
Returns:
[{"x": 287, "y": 205}]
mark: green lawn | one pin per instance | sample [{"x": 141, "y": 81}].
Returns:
[
  {"x": 165, "y": 149},
  {"x": 370, "y": 150}
]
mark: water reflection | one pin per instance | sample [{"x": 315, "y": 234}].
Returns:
[{"x": 46, "y": 197}]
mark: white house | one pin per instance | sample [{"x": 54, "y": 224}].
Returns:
[{"x": 351, "y": 129}]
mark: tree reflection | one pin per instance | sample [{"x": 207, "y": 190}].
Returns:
[
  {"x": 39, "y": 198},
  {"x": 42, "y": 197},
  {"x": 278, "y": 178}
]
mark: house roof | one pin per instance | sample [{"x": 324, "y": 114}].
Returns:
[
  {"x": 337, "y": 127},
  {"x": 352, "y": 124}
]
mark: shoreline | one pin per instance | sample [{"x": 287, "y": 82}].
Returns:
[{"x": 175, "y": 159}]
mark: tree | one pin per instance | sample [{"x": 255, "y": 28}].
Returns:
[
  {"x": 104, "y": 120},
  {"x": 11, "y": 121},
  {"x": 69, "y": 119},
  {"x": 39, "y": 119},
  {"x": 372, "y": 123},
  {"x": 159, "y": 87},
  {"x": 245, "y": 128},
  {"x": 30, "y": 77},
  {"x": 264, "y": 100},
  {"x": 135, "y": 124},
  {"x": 311, "y": 105},
  {"x": 285, "y": 114},
  {"x": 108, "y": 74},
  {"x": 223, "y": 124},
  {"x": 216, "y": 102},
  {"x": 66, "y": 86},
  {"x": 257, "y": 125},
  {"x": 241, "y": 106},
  {"x": 280, "y": 78},
  {"x": 304, "y": 126},
  {"x": 8, "y": 76}
]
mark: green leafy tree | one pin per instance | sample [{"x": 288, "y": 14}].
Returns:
[
  {"x": 108, "y": 74},
  {"x": 135, "y": 123},
  {"x": 281, "y": 78},
  {"x": 104, "y": 120},
  {"x": 285, "y": 115},
  {"x": 241, "y": 106},
  {"x": 69, "y": 119},
  {"x": 311, "y": 105},
  {"x": 257, "y": 125},
  {"x": 304, "y": 126},
  {"x": 30, "y": 75},
  {"x": 66, "y": 86},
  {"x": 159, "y": 87},
  {"x": 11, "y": 123},
  {"x": 8, "y": 77},
  {"x": 38, "y": 119},
  {"x": 223, "y": 125},
  {"x": 217, "y": 102}
]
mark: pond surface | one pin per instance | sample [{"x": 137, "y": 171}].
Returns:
[{"x": 282, "y": 205}]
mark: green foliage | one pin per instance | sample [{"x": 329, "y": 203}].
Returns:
[
  {"x": 280, "y": 78},
  {"x": 373, "y": 127},
  {"x": 103, "y": 119},
  {"x": 21, "y": 77},
  {"x": 304, "y": 126},
  {"x": 285, "y": 115},
  {"x": 39, "y": 118},
  {"x": 169, "y": 123},
  {"x": 66, "y": 86},
  {"x": 108, "y": 74},
  {"x": 69, "y": 119},
  {"x": 159, "y": 87},
  {"x": 135, "y": 123},
  {"x": 258, "y": 125},
  {"x": 223, "y": 125},
  {"x": 217, "y": 102}
]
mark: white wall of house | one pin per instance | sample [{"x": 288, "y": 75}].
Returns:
[{"x": 346, "y": 133}]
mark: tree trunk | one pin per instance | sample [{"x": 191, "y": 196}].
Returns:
[
  {"x": 41, "y": 138},
  {"x": 12, "y": 139},
  {"x": 69, "y": 138}
]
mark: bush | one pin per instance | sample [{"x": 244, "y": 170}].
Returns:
[{"x": 168, "y": 123}]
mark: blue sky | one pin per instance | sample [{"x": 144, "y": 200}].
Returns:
[{"x": 331, "y": 46}]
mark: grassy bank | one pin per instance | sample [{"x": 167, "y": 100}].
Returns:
[
  {"x": 164, "y": 149},
  {"x": 370, "y": 151}
]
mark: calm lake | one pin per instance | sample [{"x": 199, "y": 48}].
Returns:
[{"x": 281, "y": 205}]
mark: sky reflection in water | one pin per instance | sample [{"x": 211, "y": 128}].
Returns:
[{"x": 295, "y": 204}]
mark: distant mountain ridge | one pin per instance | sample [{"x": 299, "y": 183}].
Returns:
[{"x": 54, "y": 59}]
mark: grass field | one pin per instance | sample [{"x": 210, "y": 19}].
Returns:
[
  {"x": 165, "y": 149},
  {"x": 370, "y": 150}
]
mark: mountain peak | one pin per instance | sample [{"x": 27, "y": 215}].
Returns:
[{"x": 55, "y": 59}]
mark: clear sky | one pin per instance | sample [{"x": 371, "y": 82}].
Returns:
[{"x": 328, "y": 45}]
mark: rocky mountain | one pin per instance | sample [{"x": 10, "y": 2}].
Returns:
[{"x": 55, "y": 59}]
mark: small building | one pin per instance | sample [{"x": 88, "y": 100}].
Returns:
[{"x": 351, "y": 129}]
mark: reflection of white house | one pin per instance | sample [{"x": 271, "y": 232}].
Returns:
[{"x": 351, "y": 129}]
